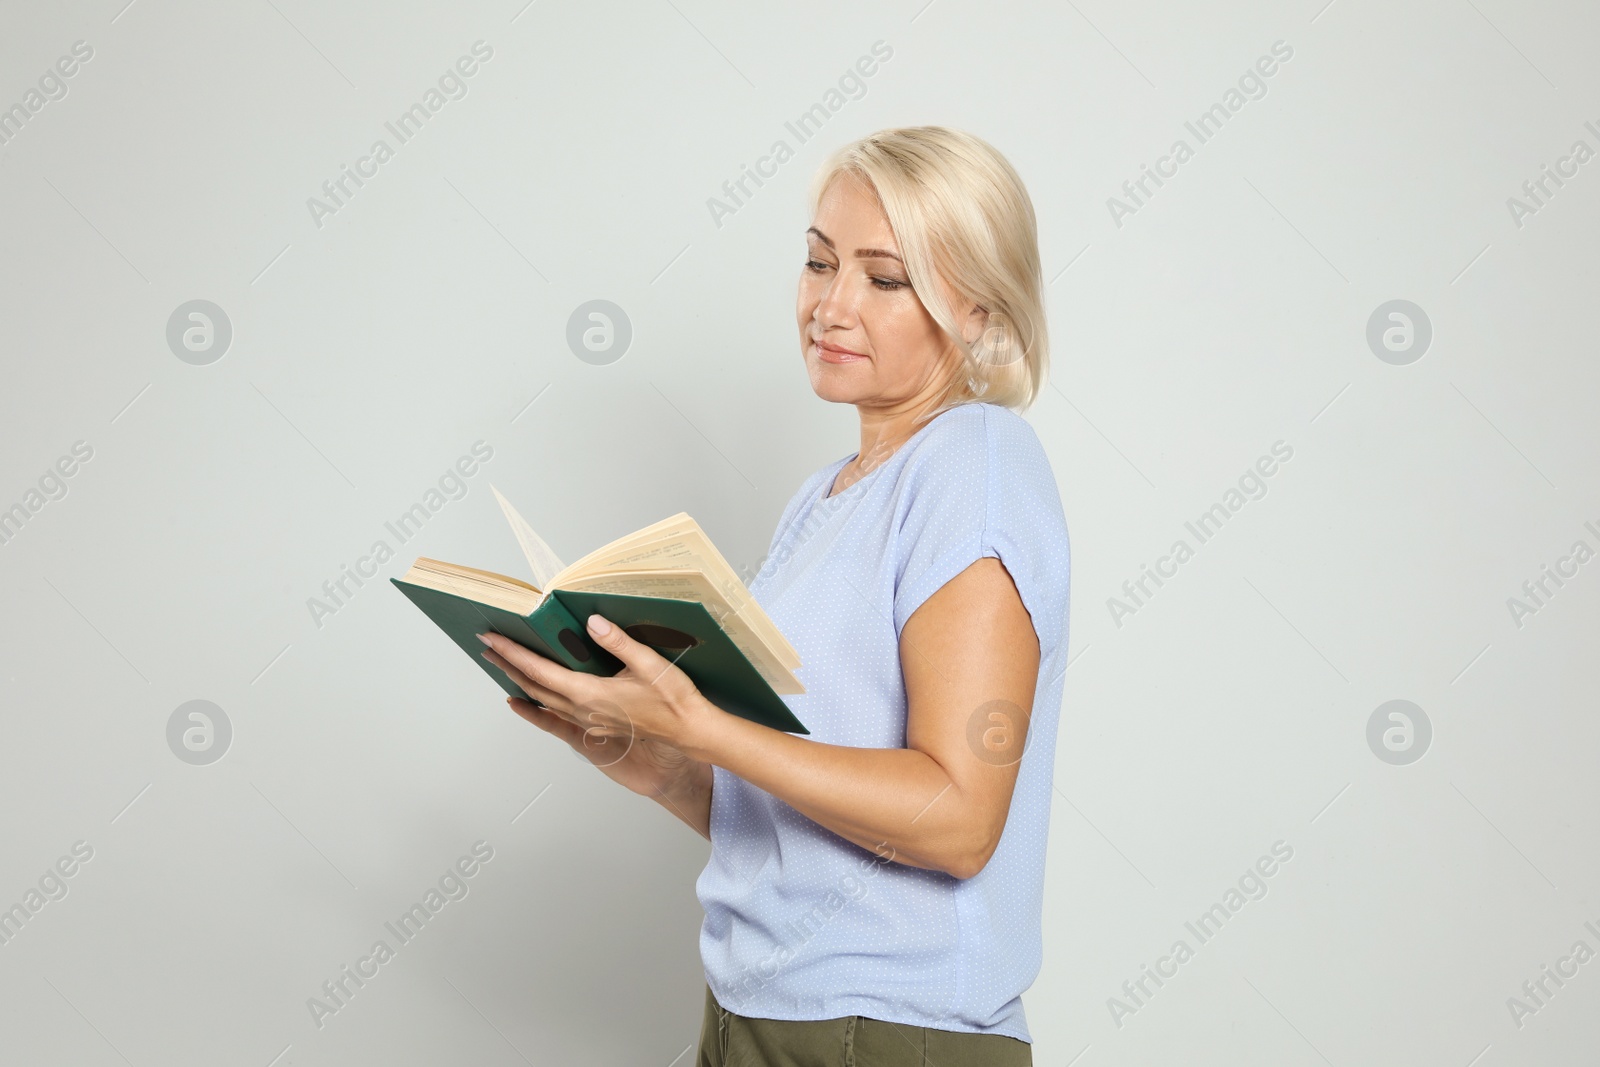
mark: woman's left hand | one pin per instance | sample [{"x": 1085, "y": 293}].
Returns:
[{"x": 649, "y": 699}]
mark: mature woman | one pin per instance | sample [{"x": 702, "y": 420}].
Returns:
[{"x": 873, "y": 894}]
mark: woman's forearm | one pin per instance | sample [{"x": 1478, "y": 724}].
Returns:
[
  {"x": 897, "y": 802},
  {"x": 690, "y": 799}
]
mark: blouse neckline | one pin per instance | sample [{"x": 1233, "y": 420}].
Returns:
[{"x": 833, "y": 471}]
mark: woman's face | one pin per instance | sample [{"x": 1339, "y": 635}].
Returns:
[{"x": 864, "y": 333}]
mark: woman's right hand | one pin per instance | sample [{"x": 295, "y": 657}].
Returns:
[{"x": 650, "y": 768}]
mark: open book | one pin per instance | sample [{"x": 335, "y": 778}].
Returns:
[{"x": 666, "y": 585}]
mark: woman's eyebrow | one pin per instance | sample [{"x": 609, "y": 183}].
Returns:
[{"x": 861, "y": 253}]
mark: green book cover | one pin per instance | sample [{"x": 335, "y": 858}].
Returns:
[{"x": 682, "y": 631}]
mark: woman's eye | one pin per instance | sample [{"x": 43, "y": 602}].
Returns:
[{"x": 888, "y": 285}]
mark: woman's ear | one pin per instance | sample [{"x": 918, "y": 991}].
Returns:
[{"x": 977, "y": 322}]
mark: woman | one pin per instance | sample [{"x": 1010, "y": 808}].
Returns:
[{"x": 873, "y": 894}]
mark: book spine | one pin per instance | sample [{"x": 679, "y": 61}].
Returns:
[{"x": 566, "y": 636}]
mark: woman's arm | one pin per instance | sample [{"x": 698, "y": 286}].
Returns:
[
  {"x": 648, "y": 767},
  {"x": 690, "y": 799},
  {"x": 970, "y": 659}
]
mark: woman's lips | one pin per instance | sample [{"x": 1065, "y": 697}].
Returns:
[{"x": 828, "y": 355}]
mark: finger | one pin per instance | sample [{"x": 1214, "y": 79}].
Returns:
[
  {"x": 548, "y": 721},
  {"x": 586, "y": 743},
  {"x": 548, "y": 697},
  {"x": 545, "y": 672},
  {"x": 643, "y": 660}
]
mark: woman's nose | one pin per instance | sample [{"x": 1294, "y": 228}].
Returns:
[{"x": 835, "y": 304}]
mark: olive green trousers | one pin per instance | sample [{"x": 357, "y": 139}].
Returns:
[{"x": 730, "y": 1040}]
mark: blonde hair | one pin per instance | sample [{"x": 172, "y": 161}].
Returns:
[{"x": 961, "y": 214}]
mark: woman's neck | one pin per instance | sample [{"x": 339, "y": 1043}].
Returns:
[
  {"x": 882, "y": 433},
  {"x": 884, "y": 430}
]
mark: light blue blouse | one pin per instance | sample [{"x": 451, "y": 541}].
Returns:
[{"x": 803, "y": 924}]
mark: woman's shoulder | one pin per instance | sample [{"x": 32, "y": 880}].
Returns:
[
  {"x": 978, "y": 483},
  {"x": 978, "y": 440}
]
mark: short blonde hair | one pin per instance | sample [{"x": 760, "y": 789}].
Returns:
[{"x": 961, "y": 214}]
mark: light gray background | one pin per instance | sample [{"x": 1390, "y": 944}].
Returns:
[{"x": 1227, "y": 313}]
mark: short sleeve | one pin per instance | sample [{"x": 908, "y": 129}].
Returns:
[{"x": 981, "y": 486}]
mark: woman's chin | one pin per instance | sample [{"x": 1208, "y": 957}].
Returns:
[{"x": 835, "y": 382}]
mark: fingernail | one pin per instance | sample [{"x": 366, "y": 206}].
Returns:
[
  {"x": 485, "y": 639},
  {"x": 598, "y": 626}
]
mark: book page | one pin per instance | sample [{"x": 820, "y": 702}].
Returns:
[
  {"x": 686, "y": 584},
  {"x": 648, "y": 533},
  {"x": 544, "y": 563},
  {"x": 679, "y": 543},
  {"x": 482, "y": 587}
]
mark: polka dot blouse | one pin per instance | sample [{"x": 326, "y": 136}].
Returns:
[{"x": 803, "y": 924}]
